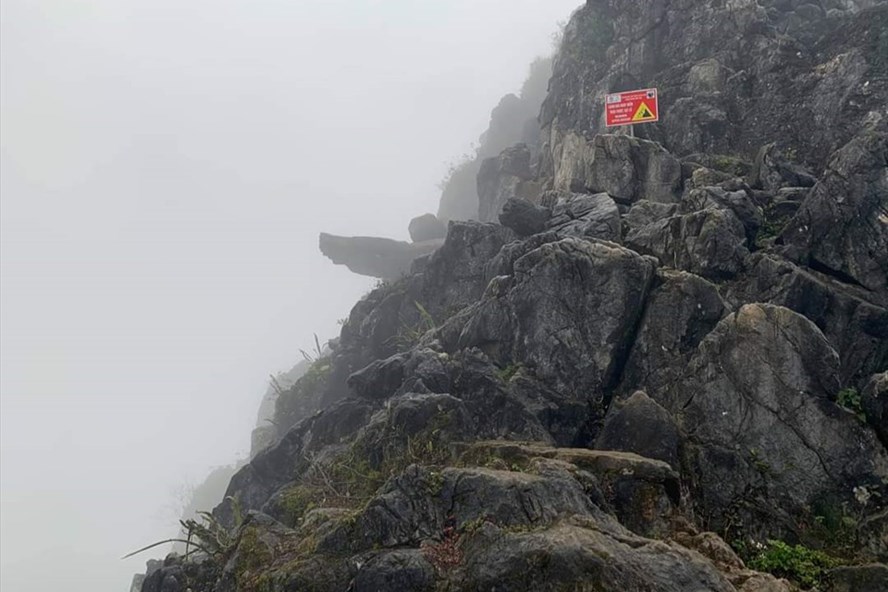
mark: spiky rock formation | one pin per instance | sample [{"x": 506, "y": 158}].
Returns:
[{"x": 670, "y": 343}]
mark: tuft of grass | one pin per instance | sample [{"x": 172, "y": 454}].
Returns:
[
  {"x": 762, "y": 466},
  {"x": 207, "y": 535},
  {"x": 410, "y": 334},
  {"x": 316, "y": 354}
]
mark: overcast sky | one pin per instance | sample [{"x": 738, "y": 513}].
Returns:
[{"x": 167, "y": 166}]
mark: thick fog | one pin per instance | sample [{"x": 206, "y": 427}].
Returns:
[{"x": 166, "y": 169}]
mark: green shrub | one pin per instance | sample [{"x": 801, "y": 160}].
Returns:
[
  {"x": 851, "y": 400},
  {"x": 506, "y": 374},
  {"x": 798, "y": 563}
]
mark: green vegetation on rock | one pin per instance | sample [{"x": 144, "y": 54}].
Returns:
[{"x": 795, "y": 562}]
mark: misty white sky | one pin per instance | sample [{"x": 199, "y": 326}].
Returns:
[{"x": 166, "y": 168}]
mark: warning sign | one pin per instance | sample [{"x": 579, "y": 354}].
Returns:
[{"x": 635, "y": 106}]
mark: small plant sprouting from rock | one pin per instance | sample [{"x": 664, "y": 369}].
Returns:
[
  {"x": 447, "y": 554},
  {"x": 762, "y": 466},
  {"x": 772, "y": 225},
  {"x": 506, "y": 374},
  {"x": 316, "y": 354},
  {"x": 207, "y": 536},
  {"x": 850, "y": 399},
  {"x": 410, "y": 334},
  {"x": 275, "y": 385},
  {"x": 798, "y": 563}
]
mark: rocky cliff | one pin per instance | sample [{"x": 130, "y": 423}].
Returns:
[{"x": 652, "y": 362}]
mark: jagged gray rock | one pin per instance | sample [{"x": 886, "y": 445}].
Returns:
[
  {"x": 568, "y": 313},
  {"x": 373, "y": 256},
  {"x": 638, "y": 424},
  {"x": 874, "y": 402},
  {"x": 540, "y": 331},
  {"x": 406, "y": 569},
  {"x": 763, "y": 383},
  {"x": 524, "y": 217},
  {"x": 738, "y": 202},
  {"x": 772, "y": 171},
  {"x": 680, "y": 312},
  {"x": 842, "y": 227},
  {"x": 856, "y": 326},
  {"x": 512, "y": 121},
  {"x": 644, "y": 212},
  {"x": 627, "y": 169},
  {"x": 504, "y": 177},
  {"x": 731, "y": 77},
  {"x": 862, "y": 578},
  {"x": 425, "y": 228},
  {"x": 709, "y": 242},
  {"x": 586, "y": 216}
]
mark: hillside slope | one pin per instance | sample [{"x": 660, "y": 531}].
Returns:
[{"x": 647, "y": 357}]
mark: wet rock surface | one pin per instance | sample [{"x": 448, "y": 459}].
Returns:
[{"x": 652, "y": 355}]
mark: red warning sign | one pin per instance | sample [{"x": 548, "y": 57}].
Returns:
[{"x": 634, "y": 106}]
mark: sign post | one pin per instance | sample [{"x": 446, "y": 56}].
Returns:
[{"x": 631, "y": 107}]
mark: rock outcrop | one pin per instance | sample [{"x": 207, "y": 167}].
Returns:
[
  {"x": 842, "y": 226},
  {"x": 373, "y": 256},
  {"x": 652, "y": 356},
  {"x": 426, "y": 228}
]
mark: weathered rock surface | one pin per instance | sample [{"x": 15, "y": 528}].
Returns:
[
  {"x": 773, "y": 172},
  {"x": 425, "y": 228},
  {"x": 680, "y": 312},
  {"x": 866, "y": 578},
  {"x": 472, "y": 528},
  {"x": 373, "y": 256},
  {"x": 627, "y": 169},
  {"x": 512, "y": 121},
  {"x": 585, "y": 216},
  {"x": 737, "y": 202},
  {"x": 567, "y": 313},
  {"x": 709, "y": 242},
  {"x": 856, "y": 326},
  {"x": 573, "y": 557},
  {"x": 176, "y": 575},
  {"x": 524, "y": 217},
  {"x": 640, "y": 425},
  {"x": 874, "y": 404},
  {"x": 644, "y": 212},
  {"x": 842, "y": 227},
  {"x": 646, "y": 351},
  {"x": 761, "y": 383},
  {"x": 731, "y": 76},
  {"x": 505, "y": 177}
]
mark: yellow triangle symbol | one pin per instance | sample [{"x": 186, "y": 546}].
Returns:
[{"x": 643, "y": 112}]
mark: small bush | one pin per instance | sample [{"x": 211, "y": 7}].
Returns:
[
  {"x": 506, "y": 374},
  {"x": 851, "y": 400},
  {"x": 798, "y": 563}
]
